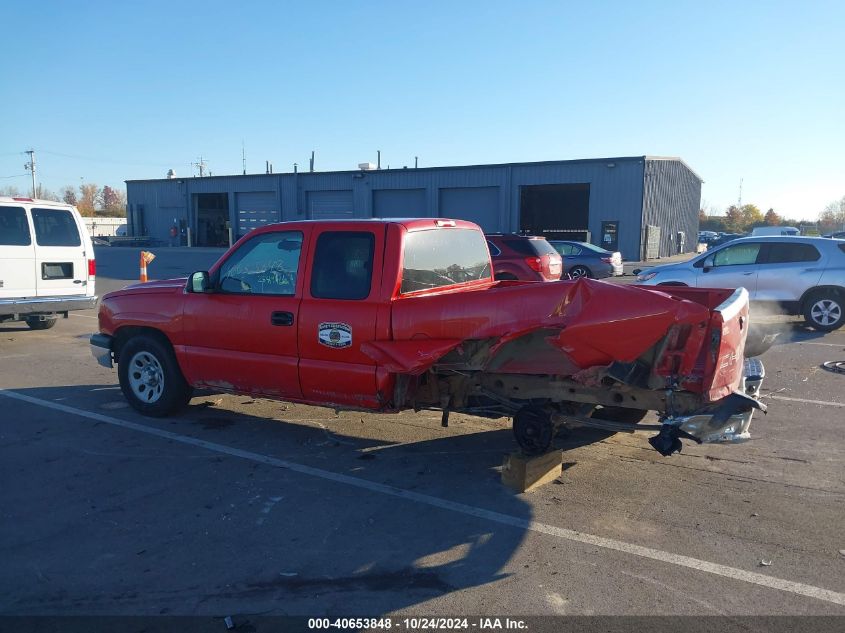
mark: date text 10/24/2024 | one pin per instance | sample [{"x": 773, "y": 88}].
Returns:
[{"x": 418, "y": 624}]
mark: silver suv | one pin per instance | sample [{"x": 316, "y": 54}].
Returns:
[{"x": 795, "y": 275}]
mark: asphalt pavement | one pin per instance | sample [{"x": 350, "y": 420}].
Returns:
[{"x": 250, "y": 506}]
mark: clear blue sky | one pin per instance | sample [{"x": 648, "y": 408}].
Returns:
[{"x": 108, "y": 91}]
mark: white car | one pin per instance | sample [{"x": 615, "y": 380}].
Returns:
[
  {"x": 47, "y": 265},
  {"x": 793, "y": 275}
]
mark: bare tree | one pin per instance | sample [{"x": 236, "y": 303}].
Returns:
[
  {"x": 69, "y": 195},
  {"x": 11, "y": 190},
  {"x": 42, "y": 193}
]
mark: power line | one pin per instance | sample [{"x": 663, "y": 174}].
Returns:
[
  {"x": 15, "y": 176},
  {"x": 102, "y": 160}
]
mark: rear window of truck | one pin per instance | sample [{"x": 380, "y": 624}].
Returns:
[
  {"x": 531, "y": 248},
  {"x": 55, "y": 227},
  {"x": 443, "y": 257},
  {"x": 14, "y": 230}
]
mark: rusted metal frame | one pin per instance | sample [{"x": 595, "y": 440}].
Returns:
[{"x": 522, "y": 387}]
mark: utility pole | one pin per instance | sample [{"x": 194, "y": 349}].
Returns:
[
  {"x": 31, "y": 167},
  {"x": 201, "y": 165},
  {"x": 243, "y": 156},
  {"x": 739, "y": 204}
]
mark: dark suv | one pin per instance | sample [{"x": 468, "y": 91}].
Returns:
[{"x": 524, "y": 257}]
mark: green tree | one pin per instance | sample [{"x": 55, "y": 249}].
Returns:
[
  {"x": 772, "y": 218},
  {"x": 734, "y": 220},
  {"x": 751, "y": 215}
]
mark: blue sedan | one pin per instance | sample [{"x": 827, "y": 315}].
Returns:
[{"x": 586, "y": 260}]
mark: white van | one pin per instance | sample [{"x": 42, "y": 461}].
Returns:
[
  {"x": 47, "y": 265},
  {"x": 775, "y": 230}
]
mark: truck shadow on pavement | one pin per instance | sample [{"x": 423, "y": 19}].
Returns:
[{"x": 127, "y": 522}]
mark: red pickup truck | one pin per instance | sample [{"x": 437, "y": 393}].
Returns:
[{"x": 386, "y": 315}]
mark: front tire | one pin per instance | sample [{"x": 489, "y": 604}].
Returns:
[
  {"x": 825, "y": 311},
  {"x": 150, "y": 378},
  {"x": 36, "y": 323}
]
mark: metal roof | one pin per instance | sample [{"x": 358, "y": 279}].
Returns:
[{"x": 442, "y": 168}]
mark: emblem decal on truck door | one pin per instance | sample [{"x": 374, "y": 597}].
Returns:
[{"x": 335, "y": 335}]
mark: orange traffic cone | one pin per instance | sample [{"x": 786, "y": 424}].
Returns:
[{"x": 146, "y": 258}]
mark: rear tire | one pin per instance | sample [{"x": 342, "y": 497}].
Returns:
[
  {"x": 150, "y": 378},
  {"x": 505, "y": 277},
  {"x": 825, "y": 310},
  {"x": 35, "y": 323}
]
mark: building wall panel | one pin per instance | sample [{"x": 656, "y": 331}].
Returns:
[
  {"x": 620, "y": 189},
  {"x": 476, "y": 204},
  {"x": 400, "y": 203},
  {"x": 671, "y": 200}
]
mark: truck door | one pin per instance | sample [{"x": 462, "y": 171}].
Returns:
[
  {"x": 17, "y": 254},
  {"x": 61, "y": 264},
  {"x": 243, "y": 335},
  {"x": 338, "y": 313}
]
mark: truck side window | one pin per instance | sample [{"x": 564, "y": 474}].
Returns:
[
  {"x": 343, "y": 265},
  {"x": 55, "y": 227},
  {"x": 265, "y": 265},
  {"x": 14, "y": 230}
]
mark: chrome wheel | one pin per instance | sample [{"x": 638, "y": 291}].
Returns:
[
  {"x": 826, "y": 312},
  {"x": 146, "y": 377},
  {"x": 578, "y": 272}
]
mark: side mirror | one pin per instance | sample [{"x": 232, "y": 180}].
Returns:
[
  {"x": 708, "y": 264},
  {"x": 199, "y": 282}
]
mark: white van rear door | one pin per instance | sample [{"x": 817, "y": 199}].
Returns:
[
  {"x": 61, "y": 267},
  {"x": 17, "y": 254}
]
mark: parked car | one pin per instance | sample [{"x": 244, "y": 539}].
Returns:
[
  {"x": 724, "y": 238},
  {"x": 47, "y": 265},
  {"x": 581, "y": 259},
  {"x": 795, "y": 275},
  {"x": 391, "y": 315},
  {"x": 775, "y": 230},
  {"x": 523, "y": 257},
  {"x": 705, "y": 237},
  {"x": 838, "y": 235}
]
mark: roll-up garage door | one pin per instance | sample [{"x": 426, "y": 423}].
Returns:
[
  {"x": 476, "y": 204},
  {"x": 399, "y": 203},
  {"x": 256, "y": 208},
  {"x": 329, "y": 205}
]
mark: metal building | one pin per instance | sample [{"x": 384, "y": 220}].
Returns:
[{"x": 643, "y": 206}]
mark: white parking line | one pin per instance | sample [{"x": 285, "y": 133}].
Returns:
[
  {"x": 84, "y": 316},
  {"x": 821, "y": 402},
  {"x": 733, "y": 573},
  {"x": 839, "y": 345}
]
